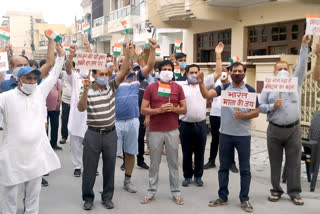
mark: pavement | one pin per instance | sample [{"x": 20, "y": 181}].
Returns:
[{"x": 63, "y": 195}]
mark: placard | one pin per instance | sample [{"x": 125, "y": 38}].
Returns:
[
  {"x": 237, "y": 99},
  {"x": 281, "y": 84},
  {"x": 91, "y": 61},
  {"x": 4, "y": 65},
  {"x": 313, "y": 26}
]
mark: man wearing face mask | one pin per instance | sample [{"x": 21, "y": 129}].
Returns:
[
  {"x": 283, "y": 113},
  {"x": 164, "y": 111},
  {"x": 25, "y": 148},
  {"x": 77, "y": 124},
  {"x": 181, "y": 59},
  {"x": 99, "y": 101},
  {"x": 234, "y": 134}
]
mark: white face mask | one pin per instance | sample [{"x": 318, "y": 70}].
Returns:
[
  {"x": 84, "y": 73},
  {"x": 15, "y": 72},
  {"x": 283, "y": 73},
  {"x": 166, "y": 76},
  {"x": 28, "y": 88}
]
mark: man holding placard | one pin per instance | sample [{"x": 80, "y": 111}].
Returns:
[
  {"x": 281, "y": 101},
  {"x": 239, "y": 106}
]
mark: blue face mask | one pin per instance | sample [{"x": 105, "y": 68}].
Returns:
[
  {"x": 103, "y": 81},
  {"x": 182, "y": 65},
  {"x": 157, "y": 75},
  {"x": 192, "y": 79}
]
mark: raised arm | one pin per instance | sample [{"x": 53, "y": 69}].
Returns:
[
  {"x": 146, "y": 70},
  {"x": 316, "y": 68},
  {"x": 218, "y": 71},
  {"x": 69, "y": 64},
  {"x": 50, "y": 57},
  {"x": 124, "y": 71},
  {"x": 82, "y": 105},
  {"x": 207, "y": 94}
]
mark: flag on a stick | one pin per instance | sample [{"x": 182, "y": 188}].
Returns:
[
  {"x": 177, "y": 44},
  {"x": 121, "y": 40},
  {"x": 5, "y": 33},
  {"x": 177, "y": 71},
  {"x": 74, "y": 39},
  {"x": 164, "y": 90},
  {"x": 117, "y": 49},
  {"x": 86, "y": 27},
  {"x": 54, "y": 35}
]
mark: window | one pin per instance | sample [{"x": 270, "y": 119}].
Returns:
[
  {"x": 253, "y": 36},
  {"x": 264, "y": 35},
  {"x": 279, "y": 33},
  {"x": 295, "y": 32}
]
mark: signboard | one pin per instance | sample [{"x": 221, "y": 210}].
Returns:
[
  {"x": 238, "y": 99},
  {"x": 4, "y": 65},
  {"x": 281, "y": 84},
  {"x": 313, "y": 26},
  {"x": 91, "y": 61}
]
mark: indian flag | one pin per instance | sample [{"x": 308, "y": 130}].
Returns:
[
  {"x": 117, "y": 49},
  {"x": 121, "y": 40},
  {"x": 54, "y": 35},
  {"x": 5, "y": 33},
  {"x": 66, "y": 47},
  {"x": 124, "y": 24},
  {"x": 177, "y": 71},
  {"x": 86, "y": 27},
  {"x": 74, "y": 39},
  {"x": 177, "y": 44},
  {"x": 147, "y": 44},
  {"x": 158, "y": 52},
  {"x": 164, "y": 90},
  {"x": 234, "y": 59}
]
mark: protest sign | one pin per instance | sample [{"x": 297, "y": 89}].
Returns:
[
  {"x": 4, "y": 65},
  {"x": 91, "y": 61},
  {"x": 313, "y": 26},
  {"x": 281, "y": 84},
  {"x": 238, "y": 99}
]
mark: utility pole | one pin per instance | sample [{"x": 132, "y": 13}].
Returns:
[{"x": 32, "y": 33}]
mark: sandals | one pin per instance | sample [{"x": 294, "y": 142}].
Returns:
[
  {"x": 217, "y": 202},
  {"x": 146, "y": 199},
  {"x": 246, "y": 206},
  {"x": 178, "y": 200},
  {"x": 297, "y": 201},
  {"x": 274, "y": 197}
]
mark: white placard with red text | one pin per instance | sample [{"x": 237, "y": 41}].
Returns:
[
  {"x": 237, "y": 99},
  {"x": 4, "y": 65},
  {"x": 281, "y": 84},
  {"x": 91, "y": 61},
  {"x": 313, "y": 26}
]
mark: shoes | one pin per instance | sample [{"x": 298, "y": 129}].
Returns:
[
  {"x": 87, "y": 205},
  {"x": 147, "y": 152},
  {"x": 209, "y": 165},
  {"x": 234, "y": 168},
  {"x": 77, "y": 173},
  {"x": 246, "y": 206},
  {"x": 57, "y": 148},
  {"x": 63, "y": 141},
  {"x": 128, "y": 185},
  {"x": 1, "y": 129},
  {"x": 143, "y": 165},
  {"x": 198, "y": 182},
  {"x": 44, "y": 182},
  {"x": 186, "y": 182},
  {"x": 122, "y": 167},
  {"x": 46, "y": 174},
  {"x": 108, "y": 204}
]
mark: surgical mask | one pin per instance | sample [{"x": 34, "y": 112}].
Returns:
[
  {"x": 84, "y": 73},
  {"x": 109, "y": 64},
  {"x": 166, "y": 76},
  {"x": 283, "y": 73},
  {"x": 156, "y": 75},
  {"x": 224, "y": 76},
  {"x": 28, "y": 88},
  {"x": 182, "y": 65},
  {"x": 237, "y": 78},
  {"x": 192, "y": 78},
  {"x": 15, "y": 72},
  {"x": 103, "y": 81}
]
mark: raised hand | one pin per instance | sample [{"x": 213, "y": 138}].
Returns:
[
  {"x": 72, "y": 49},
  {"x": 306, "y": 39},
  {"x": 46, "y": 34},
  {"x": 152, "y": 43},
  {"x": 87, "y": 46},
  {"x": 60, "y": 50},
  {"x": 317, "y": 50},
  {"x": 200, "y": 77},
  {"x": 87, "y": 82},
  {"x": 219, "y": 48}
]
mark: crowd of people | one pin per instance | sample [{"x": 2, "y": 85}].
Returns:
[{"x": 112, "y": 112}]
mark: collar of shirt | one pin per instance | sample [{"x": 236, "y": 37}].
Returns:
[{"x": 241, "y": 87}]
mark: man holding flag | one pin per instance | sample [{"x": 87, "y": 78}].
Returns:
[{"x": 164, "y": 101}]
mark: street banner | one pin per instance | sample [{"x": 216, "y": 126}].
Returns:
[
  {"x": 4, "y": 33},
  {"x": 281, "y": 84},
  {"x": 236, "y": 99},
  {"x": 4, "y": 65},
  {"x": 91, "y": 61}
]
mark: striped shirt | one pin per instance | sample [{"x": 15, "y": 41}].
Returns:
[{"x": 101, "y": 106}]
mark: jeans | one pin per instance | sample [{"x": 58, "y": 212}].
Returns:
[
  {"x": 226, "y": 154},
  {"x": 142, "y": 132},
  {"x": 64, "y": 120}
]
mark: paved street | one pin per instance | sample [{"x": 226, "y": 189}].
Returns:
[{"x": 63, "y": 195}]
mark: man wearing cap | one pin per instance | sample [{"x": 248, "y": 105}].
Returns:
[
  {"x": 25, "y": 151},
  {"x": 127, "y": 113}
]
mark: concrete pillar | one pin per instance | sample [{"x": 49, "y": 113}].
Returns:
[
  {"x": 188, "y": 45},
  {"x": 238, "y": 42}
]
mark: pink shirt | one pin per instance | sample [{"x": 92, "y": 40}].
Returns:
[{"x": 52, "y": 99}]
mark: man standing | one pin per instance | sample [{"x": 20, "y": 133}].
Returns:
[
  {"x": 283, "y": 113},
  {"x": 164, "y": 101},
  {"x": 127, "y": 114},
  {"x": 25, "y": 151},
  {"x": 234, "y": 133},
  {"x": 99, "y": 101},
  {"x": 181, "y": 60}
]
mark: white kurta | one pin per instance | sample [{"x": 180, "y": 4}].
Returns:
[
  {"x": 25, "y": 151},
  {"x": 77, "y": 124}
]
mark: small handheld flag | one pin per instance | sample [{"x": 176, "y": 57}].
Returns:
[
  {"x": 164, "y": 90},
  {"x": 54, "y": 35},
  {"x": 177, "y": 44},
  {"x": 234, "y": 59},
  {"x": 125, "y": 26},
  {"x": 158, "y": 52},
  {"x": 177, "y": 71},
  {"x": 121, "y": 40},
  {"x": 74, "y": 39},
  {"x": 86, "y": 27},
  {"x": 147, "y": 44},
  {"x": 5, "y": 33},
  {"x": 117, "y": 49}
]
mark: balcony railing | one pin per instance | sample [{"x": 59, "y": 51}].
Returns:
[
  {"x": 100, "y": 21},
  {"x": 126, "y": 11}
]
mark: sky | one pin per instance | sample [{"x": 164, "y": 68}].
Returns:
[{"x": 53, "y": 11}]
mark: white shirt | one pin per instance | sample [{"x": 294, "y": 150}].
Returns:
[
  {"x": 25, "y": 151},
  {"x": 66, "y": 88},
  {"x": 77, "y": 124},
  {"x": 216, "y": 102}
]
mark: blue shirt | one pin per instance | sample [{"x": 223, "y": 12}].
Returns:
[
  {"x": 7, "y": 85},
  {"x": 229, "y": 124},
  {"x": 291, "y": 102},
  {"x": 127, "y": 96}
]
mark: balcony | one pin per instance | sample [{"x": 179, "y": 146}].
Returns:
[
  {"x": 236, "y": 3},
  {"x": 100, "y": 27},
  {"x": 123, "y": 12}
]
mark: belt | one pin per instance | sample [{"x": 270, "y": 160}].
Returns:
[
  {"x": 286, "y": 126},
  {"x": 101, "y": 130},
  {"x": 195, "y": 124}
]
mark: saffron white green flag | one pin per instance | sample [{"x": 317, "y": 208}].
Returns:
[
  {"x": 117, "y": 49},
  {"x": 147, "y": 44},
  {"x": 177, "y": 71},
  {"x": 74, "y": 39},
  {"x": 4, "y": 33},
  {"x": 164, "y": 90},
  {"x": 158, "y": 52},
  {"x": 177, "y": 44},
  {"x": 124, "y": 23},
  {"x": 66, "y": 47},
  {"x": 86, "y": 27},
  {"x": 54, "y": 35},
  {"x": 121, "y": 40}
]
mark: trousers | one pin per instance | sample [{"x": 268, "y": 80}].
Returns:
[{"x": 76, "y": 148}]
